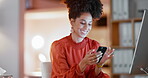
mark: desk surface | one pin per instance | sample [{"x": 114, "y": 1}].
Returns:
[{"x": 6, "y": 75}]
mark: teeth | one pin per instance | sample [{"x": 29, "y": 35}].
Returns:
[{"x": 84, "y": 31}]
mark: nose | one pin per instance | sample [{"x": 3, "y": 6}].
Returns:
[{"x": 86, "y": 27}]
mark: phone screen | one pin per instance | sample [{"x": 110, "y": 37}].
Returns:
[{"x": 103, "y": 50}]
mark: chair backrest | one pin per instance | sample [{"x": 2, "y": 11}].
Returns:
[{"x": 46, "y": 68}]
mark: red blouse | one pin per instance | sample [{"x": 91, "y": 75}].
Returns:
[{"x": 66, "y": 55}]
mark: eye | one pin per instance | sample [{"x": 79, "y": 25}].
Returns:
[
  {"x": 90, "y": 24},
  {"x": 82, "y": 23}
]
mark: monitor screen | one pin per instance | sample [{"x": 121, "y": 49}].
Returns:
[{"x": 140, "y": 58}]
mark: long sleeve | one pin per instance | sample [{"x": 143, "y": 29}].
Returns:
[
  {"x": 60, "y": 67},
  {"x": 66, "y": 55}
]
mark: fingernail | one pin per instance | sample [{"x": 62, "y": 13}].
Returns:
[
  {"x": 93, "y": 49},
  {"x": 100, "y": 53}
]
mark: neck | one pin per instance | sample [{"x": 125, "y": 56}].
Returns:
[{"x": 76, "y": 39}]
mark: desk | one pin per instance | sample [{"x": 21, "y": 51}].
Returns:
[
  {"x": 33, "y": 75},
  {"x": 6, "y": 76}
]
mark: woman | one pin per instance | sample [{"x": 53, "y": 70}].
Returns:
[{"x": 75, "y": 56}]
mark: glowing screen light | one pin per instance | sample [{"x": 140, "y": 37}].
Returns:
[
  {"x": 42, "y": 57},
  {"x": 37, "y": 42}
]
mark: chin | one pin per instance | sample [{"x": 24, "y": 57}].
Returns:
[{"x": 83, "y": 36}]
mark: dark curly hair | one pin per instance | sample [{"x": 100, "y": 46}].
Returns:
[{"x": 76, "y": 7}]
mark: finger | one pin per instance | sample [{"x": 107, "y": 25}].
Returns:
[
  {"x": 109, "y": 49},
  {"x": 111, "y": 52},
  {"x": 98, "y": 58},
  {"x": 90, "y": 51},
  {"x": 93, "y": 54},
  {"x": 99, "y": 54},
  {"x": 110, "y": 56},
  {"x": 93, "y": 61},
  {"x": 93, "y": 57}
]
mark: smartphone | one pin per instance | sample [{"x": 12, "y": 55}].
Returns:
[{"x": 103, "y": 50}]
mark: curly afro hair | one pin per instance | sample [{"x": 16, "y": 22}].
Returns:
[{"x": 76, "y": 7}]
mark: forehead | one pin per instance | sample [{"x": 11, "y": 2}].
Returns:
[{"x": 85, "y": 17}]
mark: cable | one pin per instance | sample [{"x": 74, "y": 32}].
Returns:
[{"x": 144, "y": 71}]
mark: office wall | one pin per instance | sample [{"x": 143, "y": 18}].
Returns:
[
  {"x": 51, "y": 25},
  {"x": 9, "y": 36},
  {"x": 135, "y": 6}
]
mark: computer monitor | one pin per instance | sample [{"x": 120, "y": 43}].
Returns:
[{"x": 140, "y": 59}]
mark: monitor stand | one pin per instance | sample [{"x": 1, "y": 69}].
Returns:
[{"x": 144, "y": 70}]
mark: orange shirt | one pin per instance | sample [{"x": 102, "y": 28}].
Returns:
[{"x": 66, "y": 55}]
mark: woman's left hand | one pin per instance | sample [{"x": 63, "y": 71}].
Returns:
[{"x": 108, "y": 55}]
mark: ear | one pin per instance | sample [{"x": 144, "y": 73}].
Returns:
[{"x": 72, "y": 21}]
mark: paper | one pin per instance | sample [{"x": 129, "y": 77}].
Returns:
[{"x": 2, "y": 71}]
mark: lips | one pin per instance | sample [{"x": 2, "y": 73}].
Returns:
[{"x": 84, "y": 32}]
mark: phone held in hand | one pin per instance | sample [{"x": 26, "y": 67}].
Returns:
[{"x": 103, "y": 50}]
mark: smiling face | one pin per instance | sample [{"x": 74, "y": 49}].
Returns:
[{"x": 82, "y": 25}]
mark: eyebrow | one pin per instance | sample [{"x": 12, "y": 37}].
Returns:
[{"x": 84, "y": 20}]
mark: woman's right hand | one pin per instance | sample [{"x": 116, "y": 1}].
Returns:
[{"x": 89, "y": 59}]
